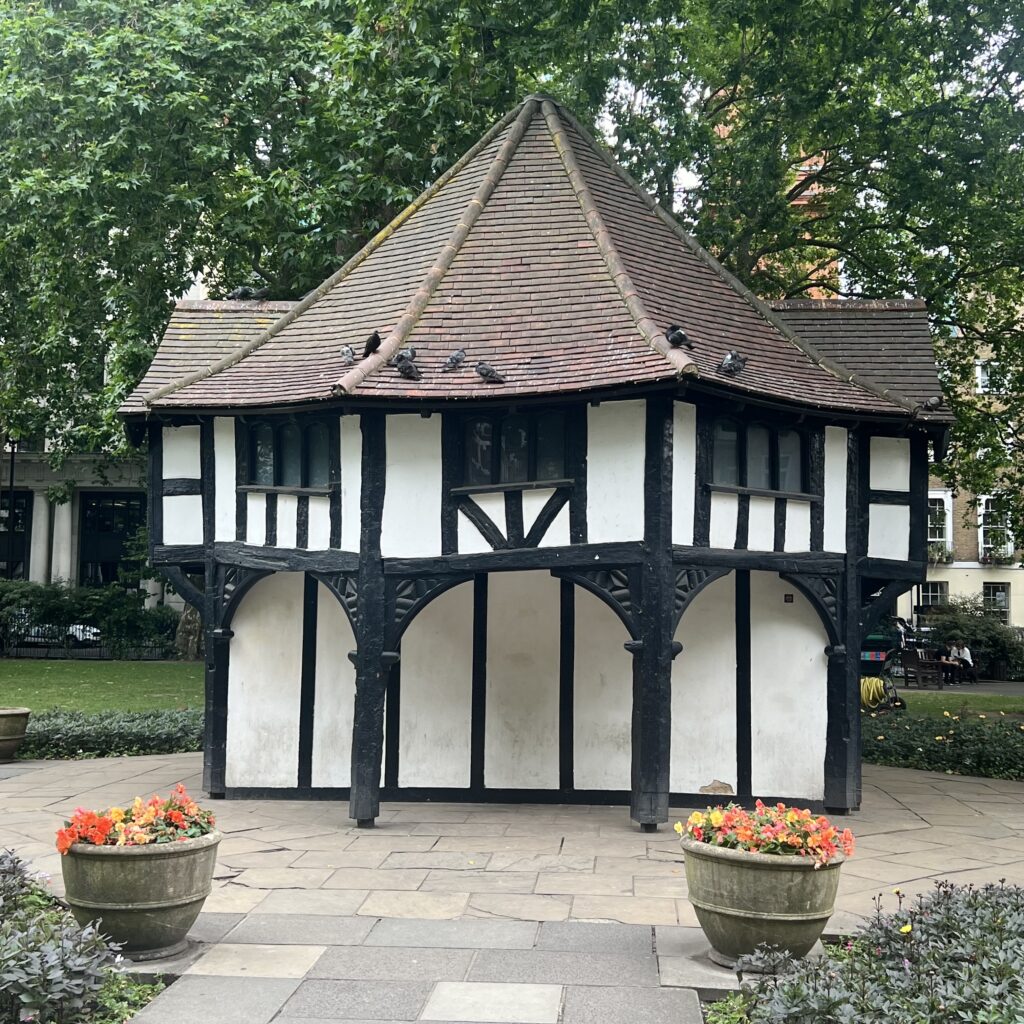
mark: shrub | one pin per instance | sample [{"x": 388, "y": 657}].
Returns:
[
  {"x": 51, "y": 970},
  {"x": 996, "y": 649},
  {"x": 956, "y": 954},
  {"x": 987, "y": 745},
  {"x": 77, "y": 734}
]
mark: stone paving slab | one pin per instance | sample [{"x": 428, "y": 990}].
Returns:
[
  {"x": 499, "y": 1003},
  {"x": 465, "y": 934},
  {"x": 580, "y": 937},
  {"x": 631, "y": 1006},
  {"x": 401, "y": 963},
  {"x": 257, "y": 961},
  {"x": 237, "y": 1001},
  {"x": 359, "y": 1000},
  {"x": 300, "y": 929},
  {"x": 551, "y": 967}
]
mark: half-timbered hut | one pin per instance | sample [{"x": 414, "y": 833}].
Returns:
[{"x": 619, "y": 570}]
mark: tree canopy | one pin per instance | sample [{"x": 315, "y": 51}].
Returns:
[{"x": 850, "y": 147}]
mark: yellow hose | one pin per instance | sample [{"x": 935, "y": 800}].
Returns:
[{"x": 872, "y": 691}]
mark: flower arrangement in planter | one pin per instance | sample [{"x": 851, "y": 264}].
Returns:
[
  {"x": 767, "y": 876},
  {"x": 143, "y": 870}
]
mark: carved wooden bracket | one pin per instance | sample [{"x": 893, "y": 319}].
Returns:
[
  {"x": 408, "y": 597},
  {"x": 824, "y": 593},
  {"x": 345, "y": 587},
  {"x": 688, "y": 584},
  {"x": 611, "y": 585}
]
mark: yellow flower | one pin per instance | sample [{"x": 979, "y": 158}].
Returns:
[
  {"x": 939, "y": 739},
  {"x": 945, "y": 714},
  {"x": 983, "y": 716},
  {"x": 906, "y": 929},
  {"x": 117, "y": 815},
  {"x": 897, "y": 892},
  {"x": 678, "y": 826},
  {"x": 695, "y": 819},
  {"x": 879, "y": 737},
  {"x": 716, "y": 818}
]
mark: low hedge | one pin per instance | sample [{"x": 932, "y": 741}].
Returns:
[
  {"x": 75, "y": 734},
  {"x": 987, "y": 745},
  {"x": 955, "y": 954}
]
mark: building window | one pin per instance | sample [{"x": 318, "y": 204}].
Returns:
[
  {"x": 995, "y": 598},
  {"x": 759, "y": 457},
  {"x": 288, "y": 455},
  {"x": 940, "y": 508},
  {"x": 983, "y": 369},
  {"x": 14, "y": 534},
  {"x": 995, "y": 545},
  {"x": 934, "y": 594},
  {"x": 515, "y": 449},
  {"x": 109, "y": 520}
]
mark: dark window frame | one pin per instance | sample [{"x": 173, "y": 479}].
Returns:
[
  {"x": 497, "y": 421},
  {"x": 278, "y": 426},
  {"x": 774, "y": 456}
]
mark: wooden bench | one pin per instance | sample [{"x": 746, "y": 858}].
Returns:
[{"x": 920, "y": 670}]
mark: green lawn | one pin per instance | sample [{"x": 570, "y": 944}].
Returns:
[
  {"x": 74, "y": 685},
  {"x": 954, "y": 701}
]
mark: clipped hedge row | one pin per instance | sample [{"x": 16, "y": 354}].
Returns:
[
  {"x": 76, "y": 734},
  {"x": 987, "y": 745},
  {"x": 953, "y": 955}
]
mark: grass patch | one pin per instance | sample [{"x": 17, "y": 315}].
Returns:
[
  {"x": 934, "y": 703},
  {"x": 77, "y": 685}
]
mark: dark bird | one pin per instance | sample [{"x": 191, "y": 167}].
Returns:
[
  {"x": 372, "y": 344},
  {"x": 246, "y": 292},
  {"x": 933, "y": 403},
  {"x": 733, "y": 363},
  {"x": 406, "y": 353},
  {"x": 408, "y": 369},
  {"x": 677, "y": 337},
  {"x": 348, "y": 357},
  {"x": 489, "y": 373},
  {"x": 454, "y": 361}
]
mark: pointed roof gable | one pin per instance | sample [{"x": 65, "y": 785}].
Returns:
[{"x": 538, "y": 255}]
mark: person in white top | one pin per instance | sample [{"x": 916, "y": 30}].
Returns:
[{"x": 961, "y": 653}]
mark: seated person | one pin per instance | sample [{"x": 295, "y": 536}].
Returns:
[
  {"x": 948, "y": 665},
  {"x": 961, "y": 654}
]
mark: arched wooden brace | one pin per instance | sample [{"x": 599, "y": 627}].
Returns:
[
  {"x": 233, "y": 582},
  {"x": 824, "y": 594},
  {"x": 185, "y": 588},
  {"x": 612, "y": 586},
  {"x": 689, "y": 583},
  {"x": 345, "y": 587},
  {"x": 407, "y": 597}
]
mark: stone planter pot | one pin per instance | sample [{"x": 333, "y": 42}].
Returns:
[
  {"x": 146, "y": 897},
  {"x": 13, "y": 722},
  {"x": 745, "y": 899}
]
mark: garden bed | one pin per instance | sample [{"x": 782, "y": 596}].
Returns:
[{"x": 74, "y": 734}]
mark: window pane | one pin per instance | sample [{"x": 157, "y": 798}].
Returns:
[
  {"x": 261, "y": 440},
  {"x": 936, "y": 521},
  {"x": 759, "y": 462},
  {"x": 551, "y": 446},
  {"x": 318, "y": 456},
  {"x": 515, "y": 450},
  {"x": 290, "y": 456},
  {"x": 478, "y": 440},
  {"x": 996, "y": 600},
  {"x": 934, "y": 593},
  {"x": 725, "y": 463},
  {"x": 791, "y": 463}
]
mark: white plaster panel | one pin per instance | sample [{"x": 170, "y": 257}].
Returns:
[
  {"x": 264, "y": 684},
  {"x": 256, "y": 519},
  {"x": 615, "y": 471},
  {"x": 798, "y": 525},
  {"x": 533, "y": 503},
  {"x": 704, "y": 692},
  {"x": 788, "y": 691},
  {"x": 224, "y": 478},
  {"x": 761, "y": 525},
  {"x": 334, "y": 703},
  {"x": 183, "y": 519},
  {"x": 319, "y": 536},
  {"x": 287, "y": 520},
  {"x": 889, "y": 531},
  {"x": 724, "y": 511},
  {"x": 493, "y": 506},
  {"x": 434, "y": 736},
  {"x": 835, "y": 488},
  {"x": 521, "y": 731},
  {"x": 181, "y": 453},
  {"x": 471, "y": 540},
  {"x": 351, "y": 485},
  {"x": 684, "y": 471},
  {"x": 890, "y": 464},
  {"x": 557, "y": 534},
  {"x": 411, "y": 524},
  {"x": 602, "y": 697}
]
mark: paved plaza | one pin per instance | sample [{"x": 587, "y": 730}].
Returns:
[{"x": 480, "y": 912}]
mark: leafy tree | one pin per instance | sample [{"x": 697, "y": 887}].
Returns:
[{"x": 854, "y": 147}]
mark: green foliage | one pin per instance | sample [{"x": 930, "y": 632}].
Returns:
[
  {"x": 954, "y": 954},
  {"x": 993, "y": 646},
  {"x": 73, "y": 734},
  {"x": 51, "y": 970},
  {"x": 144, "y": 141},
  {"x": 989, "y": 746},
  {"x": 120, "y": 615}
]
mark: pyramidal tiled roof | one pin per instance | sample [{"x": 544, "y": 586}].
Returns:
[{"x": 538, "y": 255}]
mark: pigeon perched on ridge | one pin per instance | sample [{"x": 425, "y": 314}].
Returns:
[
  {"x": 348, "y": 356},
  {"x": 677, "y": 337},
  {"x": 454, "y": 361},
  {"x": 406, "y": 353},
  {"x": 372, "y": 344},
  {"x": 489, "y": 373},
  {"x": 246, "y": 292},
  {"x": 733, "y": 363}
]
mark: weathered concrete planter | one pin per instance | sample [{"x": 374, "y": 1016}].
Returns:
[
  {"x": 745, "y": 899},
  {"x": 13, "y": 722},
  {"x": 147, "y": 897}
]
